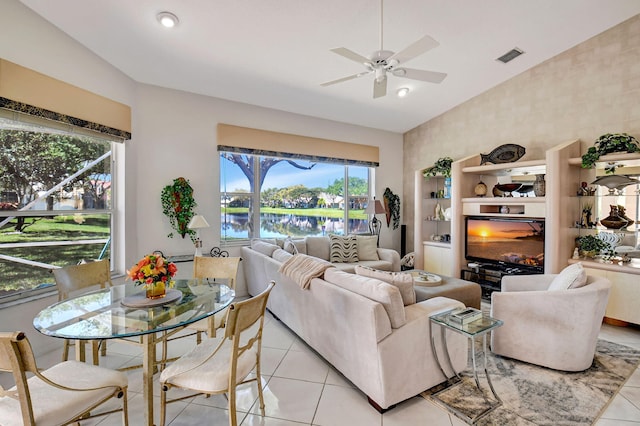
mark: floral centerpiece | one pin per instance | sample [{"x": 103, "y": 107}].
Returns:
[{"x": 154, "y": 272}]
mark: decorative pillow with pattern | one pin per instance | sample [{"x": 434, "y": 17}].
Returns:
[{"x": 343, "y": 249}]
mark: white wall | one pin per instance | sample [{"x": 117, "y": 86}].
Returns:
[{"x": 173, "y": 135}]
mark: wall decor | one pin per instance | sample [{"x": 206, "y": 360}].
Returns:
[
  {"x": 507, "y": 153},
  {"x": 392, "y": 207},
  {"x": 178, "y": 205}
]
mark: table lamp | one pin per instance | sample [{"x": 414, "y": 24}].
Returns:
[
  {"x": 198, "y": 222},
  {"x": 375, "y": 207}
]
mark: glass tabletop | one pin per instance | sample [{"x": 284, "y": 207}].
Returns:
[
  {"x": 471, "y": 329},
  {"x": 101, "y": 315}
]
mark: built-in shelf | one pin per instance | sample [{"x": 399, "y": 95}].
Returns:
[
  {"x": 631, "y": 160},
  {"x": 632, "y": 267},
  {"x": 531, "y": 167},
  {"x": 504, "y": 200}
]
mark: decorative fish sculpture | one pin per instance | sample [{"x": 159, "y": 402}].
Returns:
[{"x": 507, "y": 153}]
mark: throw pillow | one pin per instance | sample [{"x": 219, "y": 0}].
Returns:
[
  {"x": 367, "y": 247},
  {"x": 343, "y": 249},
  {"x": 295, "y": 246},
  {"x": 573, "y": 276},
  {"x": 402, "y": 280}
]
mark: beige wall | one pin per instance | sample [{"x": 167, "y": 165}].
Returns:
[{"x": 591, "y": 89}]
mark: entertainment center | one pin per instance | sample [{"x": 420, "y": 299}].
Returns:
[{"x": 559, "y": 210}]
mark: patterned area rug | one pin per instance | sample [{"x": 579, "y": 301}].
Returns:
[{"x": 534, "y": 395}]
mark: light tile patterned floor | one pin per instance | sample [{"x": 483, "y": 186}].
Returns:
[{"x": 302, "y": 389}]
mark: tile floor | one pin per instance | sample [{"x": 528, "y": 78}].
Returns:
[{"x": 302, "y": 389}]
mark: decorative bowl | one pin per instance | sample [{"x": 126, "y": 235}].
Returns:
[{"x": 508, "y": 187}]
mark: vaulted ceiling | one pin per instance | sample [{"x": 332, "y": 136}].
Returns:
[{"x": 276, "y": 53}]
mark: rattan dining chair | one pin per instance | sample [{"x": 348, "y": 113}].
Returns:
[
  {"x": 214, "y": 367},
  {"x": 59, "y": 395},
  {"x": 74, "y": 278}
]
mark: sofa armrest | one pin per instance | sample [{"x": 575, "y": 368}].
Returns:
[
  {"x": 511, "y": 283},
  {"x": 390, "y": 255}
]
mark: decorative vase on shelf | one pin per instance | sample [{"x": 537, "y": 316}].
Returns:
[
  {"x": 539, "y": 186},
  {"x": 614, "y": 220},
  {"x": 480, "y": 189},
  {"x": 156, "y": 290},
  {"x": 623, "y": 214}
]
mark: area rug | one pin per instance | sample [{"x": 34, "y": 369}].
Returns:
[{"x": 534, "y": 395}]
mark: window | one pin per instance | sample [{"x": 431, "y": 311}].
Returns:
[
  {"x": 56, "y": 204},
  {"x": 276, "y": 197}
]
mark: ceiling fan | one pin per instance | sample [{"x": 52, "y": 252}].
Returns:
[{"x": 383, "y": 61}]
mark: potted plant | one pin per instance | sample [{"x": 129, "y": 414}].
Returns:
[
  {"x": 591, "y": 245},
  {"x": 441, "y": 167},
  {"x": 178, "y": 205},
  {"x": 608, "y": 144}
]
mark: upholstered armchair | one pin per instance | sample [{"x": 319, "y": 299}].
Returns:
[{"x": 556, "y": 329}]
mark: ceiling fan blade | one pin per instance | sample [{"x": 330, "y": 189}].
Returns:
[
  {"x": 340, "y": 80},
  {"x": 380, "y": 87},
  {"x": 419, "y": 47},
  {"x": 350, "y": 54},
  {"x": 422, "y": 75}
]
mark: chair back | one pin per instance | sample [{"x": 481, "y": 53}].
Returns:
[
  {"x": 242, "y": 315},
  {"x": 217, "y": 267},
  {"x": 16, "y": 356},
  {"x": 77, "y": 277}
]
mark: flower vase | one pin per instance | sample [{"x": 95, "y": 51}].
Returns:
[
  {"x": 156, "y": 290},
  {"x": 539, "y": 186}
]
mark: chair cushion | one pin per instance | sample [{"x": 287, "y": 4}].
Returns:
[
  {"x": 573, "y": 276},
  {"x": 343, "y": 249},
  {"x": 53, "y": 406},
  {"x": 402, "y": 280},
  {"x": 213, "y": 375},
  {"x": 367, "y": 247}
]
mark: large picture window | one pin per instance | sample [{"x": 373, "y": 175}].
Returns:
[
  {"x": 276, "y": 197},
  {"x": 56, "y": 204}
]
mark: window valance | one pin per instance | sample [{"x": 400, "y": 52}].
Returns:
[
  {"x": 26, "y": 95},
  {"x": 274, "y": 144}
]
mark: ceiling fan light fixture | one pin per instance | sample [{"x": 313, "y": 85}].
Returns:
[
  {"x": 402, "y": 92},
  {"x": 167, "y": 19}
]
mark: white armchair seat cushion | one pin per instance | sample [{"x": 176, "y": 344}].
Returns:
[
  {"x": 53, "y": 406},
  {"x": 195, "y": 371}
]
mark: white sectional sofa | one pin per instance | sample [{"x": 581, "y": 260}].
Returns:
[{"x": 360, "y": 325}]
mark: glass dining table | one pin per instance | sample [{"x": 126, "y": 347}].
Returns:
[{"x": 120, "y": 312}]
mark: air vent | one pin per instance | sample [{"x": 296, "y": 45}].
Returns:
[{"x": 510, "y": 55}]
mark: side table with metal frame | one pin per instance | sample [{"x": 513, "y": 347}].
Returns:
[{"x": 478, "y": 328}]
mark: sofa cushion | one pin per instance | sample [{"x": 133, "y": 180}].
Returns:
[
  {"x": 573, "y": 276},
  {"x": 402, "y": 280},
  {"x": 281, "y": 255},
  {"x": 343, "y": 249},
  {"x": 297, "y": 246},
  {"x": 379, "y": 291},
  {"x": 263, "y": 247},
  {"x": 367, "y": 247},
  {"x": 318, "y": 247}
]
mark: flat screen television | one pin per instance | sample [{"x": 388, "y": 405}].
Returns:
[{"x": 505, "y": 242}]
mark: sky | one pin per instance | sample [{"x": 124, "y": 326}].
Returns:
[{"x": 283, "y": 175}]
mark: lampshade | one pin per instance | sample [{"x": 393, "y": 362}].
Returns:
[
  {"x": 197, "y": 222},
  {"x": 374, "y": 207}
]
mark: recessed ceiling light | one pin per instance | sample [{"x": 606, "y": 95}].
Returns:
[
  {"x": 167, "y": 19},
  {"x": 402, "y": 92}
]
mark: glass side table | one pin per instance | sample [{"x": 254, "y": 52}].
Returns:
[{"x": 478, "y": 328}]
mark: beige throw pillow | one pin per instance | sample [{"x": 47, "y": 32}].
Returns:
[
  {"x": 402, "y": 280},
  {"x": 263, "y": 247},
  {"x": 367, "y": 247},
  {"x": 573, "y": 276}
]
